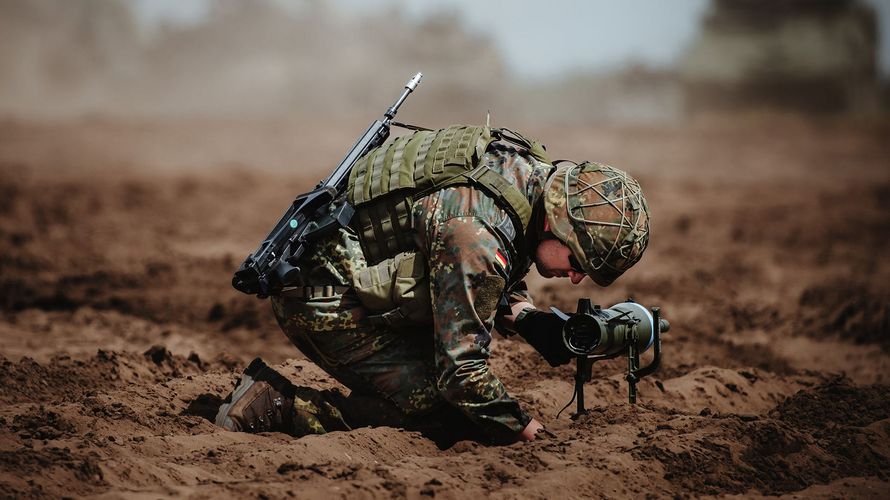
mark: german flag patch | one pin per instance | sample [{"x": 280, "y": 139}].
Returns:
[{"x": 501, "y": 259}]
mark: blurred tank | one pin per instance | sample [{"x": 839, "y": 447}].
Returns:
[{"x": 802, "y": 55}]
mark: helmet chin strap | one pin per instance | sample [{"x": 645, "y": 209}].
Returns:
[{"x": 546, "y": 233}]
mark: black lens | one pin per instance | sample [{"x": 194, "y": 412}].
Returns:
[{"x": 582, "y": 333}]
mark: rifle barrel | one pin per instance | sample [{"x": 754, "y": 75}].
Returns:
[{"x": 409, "y": 87}]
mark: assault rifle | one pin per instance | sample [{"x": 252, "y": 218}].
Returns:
[
  {"x": 594, "y": 334},
  {"x": 274, "y": 264}
]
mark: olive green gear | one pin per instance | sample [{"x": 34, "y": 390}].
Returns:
[
  {"x": 599, "y": 212},
  {"x": 384, "y": 184}
]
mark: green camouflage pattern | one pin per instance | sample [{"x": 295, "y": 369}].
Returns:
[
  {"x": 322, "y": 411},
  {"x": 315, "y": 412},
  {"x": 459, "y": 232},
  {"x": 600, "y": 213}
]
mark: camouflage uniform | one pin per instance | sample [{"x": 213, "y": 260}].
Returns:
[{"x": 423, "y": 370}]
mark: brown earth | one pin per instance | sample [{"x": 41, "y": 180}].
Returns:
[{"x": 119, "y": 329}]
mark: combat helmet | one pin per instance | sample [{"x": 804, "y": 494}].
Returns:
[{"x": 599, "y": 212}]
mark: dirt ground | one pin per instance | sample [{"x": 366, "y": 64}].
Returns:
[{"x": 119, "y": 328}]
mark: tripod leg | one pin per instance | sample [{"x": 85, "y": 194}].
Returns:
[{"x": 633, "y": 364}]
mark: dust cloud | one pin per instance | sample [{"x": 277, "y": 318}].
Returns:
[
  {"x": 81, "y": 57},
  {"x": 248, "y": 59}
]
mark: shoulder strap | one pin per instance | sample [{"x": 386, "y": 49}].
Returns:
[
  {"x": 507, "y": 197},
  {"x": 517, "y": 206},
  {"x": 504, "y": 192},
  {"x": 497, "y": 186}
]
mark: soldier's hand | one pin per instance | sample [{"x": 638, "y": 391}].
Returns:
[{"x": 528, "y": 434}]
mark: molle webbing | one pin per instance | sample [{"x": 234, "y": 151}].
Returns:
[
  {"x": 384, "y": 184},
  {"x": 417, "y": 161}
]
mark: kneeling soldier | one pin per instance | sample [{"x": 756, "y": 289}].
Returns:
[{"x": 401, "y": 305}]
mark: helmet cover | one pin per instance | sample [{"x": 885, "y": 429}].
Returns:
[{"x": 599, "y": 212}]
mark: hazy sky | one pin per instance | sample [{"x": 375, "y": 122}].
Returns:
[
  {"x": 562, "y": 35},
  {"x": 538, "y": 38}
]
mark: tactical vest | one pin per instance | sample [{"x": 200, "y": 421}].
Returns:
[{"x": 384, "y": 184}]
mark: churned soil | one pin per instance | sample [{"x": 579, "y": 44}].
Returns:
[{"x": 120, "y": 333}]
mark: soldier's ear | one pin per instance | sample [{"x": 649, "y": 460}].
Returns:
[{"x": 546, "y": 225}]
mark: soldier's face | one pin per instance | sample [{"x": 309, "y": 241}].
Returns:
[{"x": 552, "y": 261}]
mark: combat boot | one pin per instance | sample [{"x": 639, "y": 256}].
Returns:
[{"x": 263, "y": 401}]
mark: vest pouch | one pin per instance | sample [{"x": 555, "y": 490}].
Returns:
[
  {"x": 384, "y": 183},
  {"x": 395, "y": 291},
  {"x": 384, "y": 227}
]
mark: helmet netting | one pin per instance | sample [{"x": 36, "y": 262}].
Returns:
[{"x": 630, "y": 225}]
